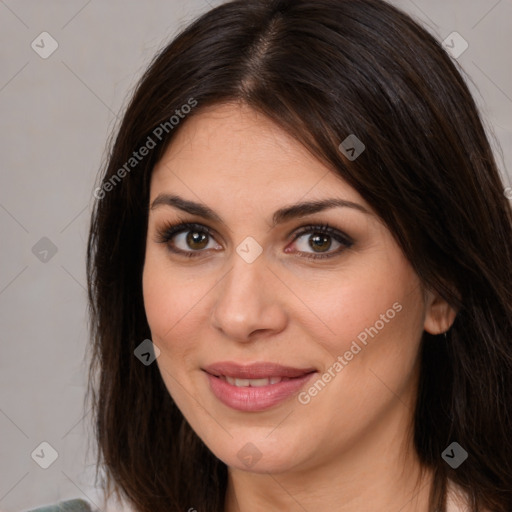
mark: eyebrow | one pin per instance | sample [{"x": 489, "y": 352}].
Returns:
[{"x": 280, "y": 216}]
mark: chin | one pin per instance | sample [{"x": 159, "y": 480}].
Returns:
[{"x": 257, "y": 455}]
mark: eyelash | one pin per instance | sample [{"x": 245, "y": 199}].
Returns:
[{"x": 168, "y": 231}]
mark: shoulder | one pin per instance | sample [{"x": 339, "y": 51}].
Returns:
[{"x": 77, "y": 505}]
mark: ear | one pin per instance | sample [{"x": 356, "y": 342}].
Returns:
[{"x": 439, "y": 315}]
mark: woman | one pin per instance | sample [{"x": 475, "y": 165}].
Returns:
[{"x": 300, "y": 273}]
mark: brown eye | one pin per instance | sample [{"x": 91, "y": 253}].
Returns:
[
  {"x": 320, "y": 240},
  {"x": 187, "y": 239},
  {"x": 191, "y": 240},
  {"x": 196, "y": 240}
]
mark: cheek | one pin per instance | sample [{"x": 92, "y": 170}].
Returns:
[
  {"x": 169, "y": 301},
  {"x": 372, "y": 358},
  {"x": 171, "y": 305},
  {"x": 345, "y": 304},
  {"x": 380, "y": 323},
  {"x": 373, "y": 319}
]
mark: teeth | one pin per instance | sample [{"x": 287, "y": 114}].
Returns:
[{"x": 242, "y": 383}]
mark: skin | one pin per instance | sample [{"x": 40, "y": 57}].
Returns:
[{"x": 349, "y": 449}]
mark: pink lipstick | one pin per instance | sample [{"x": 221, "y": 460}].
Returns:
[{"x": 257, "y": 386}]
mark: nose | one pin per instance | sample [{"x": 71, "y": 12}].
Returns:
[{"x": 247, "y": 301}]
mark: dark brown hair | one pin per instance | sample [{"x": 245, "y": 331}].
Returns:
[{"x": 322, "y": 70}]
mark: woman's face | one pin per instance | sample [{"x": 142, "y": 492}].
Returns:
[{"x": 253, "y": 292}]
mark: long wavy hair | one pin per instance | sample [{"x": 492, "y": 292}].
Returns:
[{"x": 322, "y": 70}]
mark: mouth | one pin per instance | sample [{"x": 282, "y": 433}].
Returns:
[
  {"x": 256, "y": 387},
  {"x": 257, "y": 374},
  {"x": 253, "y": 383}
]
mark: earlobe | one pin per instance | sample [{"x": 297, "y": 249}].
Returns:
[{"x": 439, "y": 315}]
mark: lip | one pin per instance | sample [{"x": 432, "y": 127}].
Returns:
[
  {"x": 252, "y": 399},
  {"x": 257, "y": 370}
]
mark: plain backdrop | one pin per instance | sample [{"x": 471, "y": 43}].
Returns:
[{"x": 56, "y": 115}]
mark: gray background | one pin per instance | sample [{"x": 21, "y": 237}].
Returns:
[{"x": 56, "y": 115}]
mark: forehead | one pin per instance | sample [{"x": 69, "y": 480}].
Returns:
[{"x": 233, "y": 152}]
